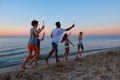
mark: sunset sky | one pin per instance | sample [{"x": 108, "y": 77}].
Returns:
[{"x": 91, "y": 16}]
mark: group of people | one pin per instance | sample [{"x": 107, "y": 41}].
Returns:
[{"x": 56, "y": 34}]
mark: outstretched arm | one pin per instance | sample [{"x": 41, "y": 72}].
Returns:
[{"x": 70, "y": 28}]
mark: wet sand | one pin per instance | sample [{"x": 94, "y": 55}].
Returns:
[{"x": 103, "y": 65}]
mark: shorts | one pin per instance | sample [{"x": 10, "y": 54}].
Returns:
[
  {"x": 66, "y": 45},
  {"x": 38, "y": 43},
  {"x": 33, "y": 47},
  {"x": 54, "y": 45},
  {"x": 81, "y": 45}
]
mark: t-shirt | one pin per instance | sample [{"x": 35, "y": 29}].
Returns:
[
  {"x": 56, "y": 34},
  {"x": 33, "y": 38}
]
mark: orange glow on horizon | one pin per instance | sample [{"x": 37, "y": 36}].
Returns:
[
  {"x": 13, "y": 32},
  {"x": 99, "y": 30},
  {"x": 20, "y": 31}
]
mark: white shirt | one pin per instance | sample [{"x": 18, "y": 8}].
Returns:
[{"x": 56, "y": 34}]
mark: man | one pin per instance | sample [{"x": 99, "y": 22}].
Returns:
[{"x": 56, "y": 36}]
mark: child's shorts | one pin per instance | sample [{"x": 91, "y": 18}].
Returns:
[
  {"x": 66, "y": 45},
  {"x": 81, "y": 45}
]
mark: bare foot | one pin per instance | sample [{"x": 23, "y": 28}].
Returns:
[
  {"x": 80, "y": 54},
  {"x": 23, "y": 67},
  {"x": 46, "y": 60},
  {"x": 36, "y": 63},
  {"x": 58, "y": 60},
  {"x": 31, "y": 65},
  {"x": 76, "y": 57},
  {"x": 66, "y": 59}
]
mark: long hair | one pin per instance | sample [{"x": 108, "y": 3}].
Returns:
[{"x": 64, "y": 37}]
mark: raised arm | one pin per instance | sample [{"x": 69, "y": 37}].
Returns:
[
  {"x": 70, "y": 28},
  {"x": 39, "y": 30}
]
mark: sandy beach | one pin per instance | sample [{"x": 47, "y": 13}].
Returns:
[{"x": 103, "y": 65}]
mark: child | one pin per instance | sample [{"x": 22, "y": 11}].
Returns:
[
  {"x": 67, "y": 41},
  {"x": 56, "y": 35},
  {"x": 39, "y": 40},
  {"x": 32, "y": 43},
  {"x": 80, "y": 45}
]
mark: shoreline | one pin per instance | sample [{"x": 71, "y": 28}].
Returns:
[
  {"x": 51, "y": 61},
  {"x": 98, "y": 66}
]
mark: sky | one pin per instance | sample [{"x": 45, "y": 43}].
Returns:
[{"x": 92, "y": 17}]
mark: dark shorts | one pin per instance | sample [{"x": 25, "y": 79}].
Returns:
[
  {"x": 81, "y": 46},
  {"x": 54, "y": 45},
  {"x": 38, "y": 43},
  {"x": 66, "y": 44}
]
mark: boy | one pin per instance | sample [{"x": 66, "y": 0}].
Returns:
[
  {"x": 80, "y": 44},
  {"x": 56, "y": 35},
  {"x": 32, "y": 43},
  {"x": 38, "y": 44}
]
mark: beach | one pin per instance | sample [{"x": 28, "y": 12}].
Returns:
[{"x": 103, "y": 65}]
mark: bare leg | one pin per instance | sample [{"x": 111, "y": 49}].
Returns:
[
  {"x": 81, "y": 50},
  {"x": 56, "y": 56},
  {"x": 77, "y": 52},
  {"x": 35, "y": 58},
  {"x": 64, "y": 54},
  {"x": 36, "y": 63},
  {"x": 49, "y": 54},
  {"x": 67, "y": 52},
  {"x": 26, "y": 59}
]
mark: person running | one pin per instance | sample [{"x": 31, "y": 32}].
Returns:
[
  {"x": 56, "y": 36},
  {"x": 32, "y": 43}
]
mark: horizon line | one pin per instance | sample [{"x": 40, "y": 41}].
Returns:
[{"x": 71, "y": 35}]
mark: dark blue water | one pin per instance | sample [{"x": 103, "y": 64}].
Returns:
[{"x": 14, "y": 49}]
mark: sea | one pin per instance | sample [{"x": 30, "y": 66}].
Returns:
[{"x": 13, "y": 49}]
